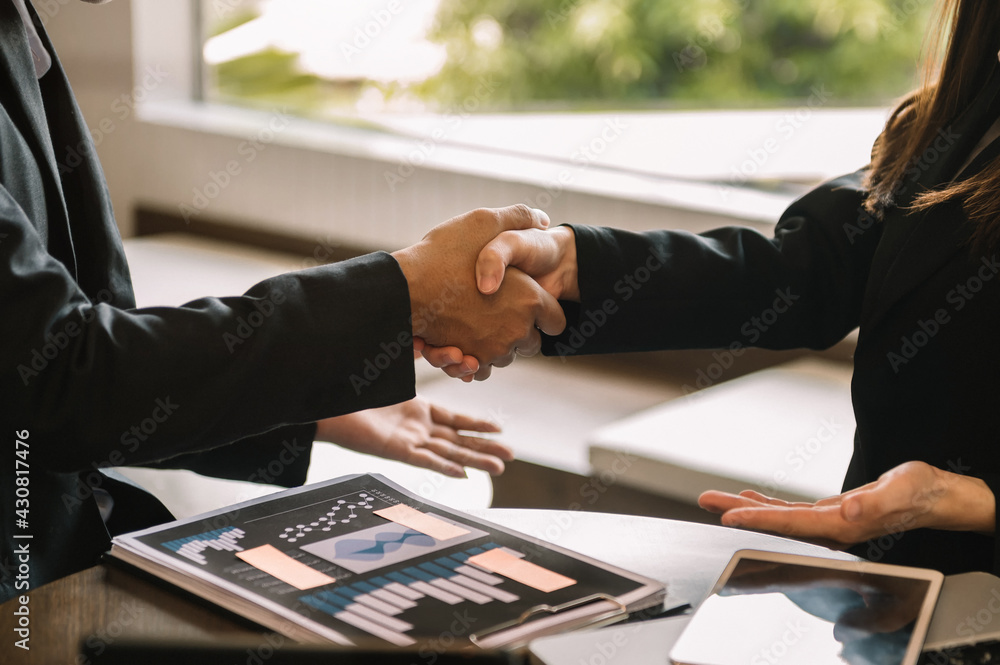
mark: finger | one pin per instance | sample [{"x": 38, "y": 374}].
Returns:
[
  {"x": 530, "y": 345},
  {"x": 866, "y": 505},
  {"x": 465, "y": 456},
  {"x": 442, "y": 356},
  {"x": 881, "y": 499},
  {"x": 475, "y": 452},
  {"x": 458, "y": 421},
  {"x": 772, "y": 501},
  {"x": 549, "y": 316},
  {"x": 499, "y": 253},
  {"x": 484, "y": 372},
  {"x": 504, "y": 360},
  {"x": 719, "y": 502},
  {"x": 521, "y": 216},
  {"x": 475, "y": 443},
  {"x": 428, "y": 459},
  {"x": 488, "y": 447},
  {"x": 806, "y": 523},
  {"x": 450, "y": 360},
  {"x": 461, "y": 371},
  {"x": 762, "y": 498},
  {"x": 469, "y": 365}
]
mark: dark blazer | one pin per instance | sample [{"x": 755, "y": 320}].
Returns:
[
  {"x": 925, "y": 381},
  {"x": 225, "y": 386}
]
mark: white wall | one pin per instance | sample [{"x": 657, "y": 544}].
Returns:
[{"x": 94, "y": 43}]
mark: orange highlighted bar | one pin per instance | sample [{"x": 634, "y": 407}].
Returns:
[
  {"x": 412, "y": 518},
  {"x": 276, "y": 563},
  {"x": 503, "y": 563}
]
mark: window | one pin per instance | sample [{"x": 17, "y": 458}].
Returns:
[{"x": 557, "y": 79}]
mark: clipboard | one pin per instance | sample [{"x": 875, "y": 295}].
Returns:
[{"x": 360, "y": 559}]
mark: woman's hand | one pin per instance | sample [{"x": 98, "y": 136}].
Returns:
[
  {"x": 419, "y": 433},
  {"x": 911, "y": 496}
]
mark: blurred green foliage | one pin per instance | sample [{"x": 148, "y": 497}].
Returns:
[
  {"x": 718, "y": 53},
  {"x": 269, "y": 78}
]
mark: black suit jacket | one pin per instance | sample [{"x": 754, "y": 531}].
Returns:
[
  {"x": 225, "y": 386},
  {"x": 925, "y": 381}
]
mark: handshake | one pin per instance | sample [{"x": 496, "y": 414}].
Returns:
[{"x": 484, "y": 283}]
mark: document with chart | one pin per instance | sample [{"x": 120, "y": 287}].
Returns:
[{"x": 360, "y": 560}]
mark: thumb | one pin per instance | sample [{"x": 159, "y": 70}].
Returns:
[
  {"x": 865, "y": 504},
  {"x": 508, "y": 248},
  {"x": 550, "y": 318},
  {"x": 520, "y": 216}
]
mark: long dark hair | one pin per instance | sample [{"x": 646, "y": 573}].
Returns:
[{"x": 969, "y": 33}]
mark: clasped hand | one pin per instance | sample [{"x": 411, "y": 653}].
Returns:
[
  {"x": 526, "y": 266},
  {"x": 449, "y": 310}
]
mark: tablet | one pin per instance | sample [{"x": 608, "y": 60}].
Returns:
[{"x": 769, "y": 608}]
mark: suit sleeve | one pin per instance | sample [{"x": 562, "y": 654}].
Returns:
[
  {"x": 277, "y": 457},
  {"x": 992, "y": 480},
  {"x": 803, "y": 287},
  {"x": 106, "y": 386}
]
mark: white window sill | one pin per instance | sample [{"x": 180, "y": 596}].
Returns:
[{"x": 686, "y": 161}]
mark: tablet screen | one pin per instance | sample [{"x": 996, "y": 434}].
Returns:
[{"x": 769, "y": 612}]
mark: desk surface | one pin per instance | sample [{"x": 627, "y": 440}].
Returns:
[{"x": 105, "y": 603}]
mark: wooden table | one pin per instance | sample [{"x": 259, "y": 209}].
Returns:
[{"x": 105, "y": 603}]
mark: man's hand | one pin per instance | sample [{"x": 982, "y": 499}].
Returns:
[
  {"x": 419, "y": 433},
  {"x": 447, "y": 307},
  {"x": 911, "y": 496},
  {"x": 548, "y": 256}
]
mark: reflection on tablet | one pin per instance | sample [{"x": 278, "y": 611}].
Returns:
[{"x": 770, "y": 612}]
